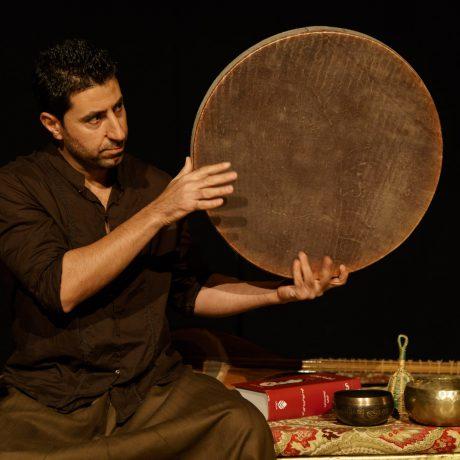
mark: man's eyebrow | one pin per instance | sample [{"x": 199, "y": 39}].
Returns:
[
  {"x": 90, "y": 115},
  {"x": 120, "y": 101}
]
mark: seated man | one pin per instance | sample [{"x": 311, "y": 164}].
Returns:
[{"x": 97, "y": 241}]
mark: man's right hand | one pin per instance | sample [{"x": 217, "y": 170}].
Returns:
[{"x": 193, "y": 190}]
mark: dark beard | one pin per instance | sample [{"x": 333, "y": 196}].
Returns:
[{"x": 84, "y": 160}]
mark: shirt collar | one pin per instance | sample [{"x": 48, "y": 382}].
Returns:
[{"x": 76, "y": 178}]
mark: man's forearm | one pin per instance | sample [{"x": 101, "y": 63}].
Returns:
[
  {"x": 88, "y": 269},
  {"x": 226, "y": 296}
]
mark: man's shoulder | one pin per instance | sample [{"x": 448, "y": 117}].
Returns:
[
  {"x": 23, "y": 162},
  {"x": 23, "y": 169}
]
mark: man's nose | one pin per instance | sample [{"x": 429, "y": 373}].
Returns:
[{"x": 115, "y": 129}]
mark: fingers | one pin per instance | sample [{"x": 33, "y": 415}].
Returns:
[
  {"x": 205, "y": 171},
  {"x": 208, "y": 170},
  {"x": 203, "y": 182},
  {"x": 325, "y": 273},
  {"x": 306, "y": 286},
  {"x": 307, "y": 274},
  {"x": 303, "y": 278},
  {"x": 218, "y": 179},
  {"x": 207, "y": 178},
  {"x": 209, "y": 193},
  {"x": 342, "y": 278},
  {"x": 297, "y": 272},
  {"x": 210, "y": 204},
  {"x": 317, "y": 286}
]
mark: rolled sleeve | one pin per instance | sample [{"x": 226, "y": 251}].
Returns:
[
  {"x": 188, "y": 272},
  {"x": 32, "y": 245}
]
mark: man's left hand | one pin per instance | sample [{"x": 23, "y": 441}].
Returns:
[{"x": 306, "y": 285}]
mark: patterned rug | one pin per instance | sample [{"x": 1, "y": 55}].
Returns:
[{"x": 326, "y": 435}]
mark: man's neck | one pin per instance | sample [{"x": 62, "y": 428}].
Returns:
[{"x": 98, "y": 178}]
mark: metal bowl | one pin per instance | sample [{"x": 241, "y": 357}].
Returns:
[
  {"x": 434, "y": 401},
  {"x": 363, "y": 407}
]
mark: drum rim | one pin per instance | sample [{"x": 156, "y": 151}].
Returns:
[{"x": 289, "y": 34}]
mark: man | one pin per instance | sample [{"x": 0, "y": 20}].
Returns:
[{"x": 98, "y": 243}]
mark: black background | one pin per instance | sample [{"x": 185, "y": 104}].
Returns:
[{"x": 168, "y": 58}]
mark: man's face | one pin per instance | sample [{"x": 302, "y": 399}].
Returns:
[{"x": 95, "y": 128}]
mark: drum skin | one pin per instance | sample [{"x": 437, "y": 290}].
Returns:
[{"x": 337, "y": 145}]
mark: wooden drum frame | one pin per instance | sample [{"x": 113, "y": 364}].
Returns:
[{"x": 337, "y": 144}]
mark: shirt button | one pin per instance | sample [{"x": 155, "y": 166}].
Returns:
[{"x": 117, "y": 371}]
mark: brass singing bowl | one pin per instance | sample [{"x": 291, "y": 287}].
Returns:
[
  {"x": 363, "y": 407},
  {"x": 434, "y": 401}
]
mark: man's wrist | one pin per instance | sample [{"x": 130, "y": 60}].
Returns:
[
  {"x": 158, "y": 218},
  {"x": 272, "y": 298}
]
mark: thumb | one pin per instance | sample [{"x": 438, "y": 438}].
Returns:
[{"x": 187, "y": 168}]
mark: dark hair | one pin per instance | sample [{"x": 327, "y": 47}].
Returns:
[{"x": 68, "y": 67}]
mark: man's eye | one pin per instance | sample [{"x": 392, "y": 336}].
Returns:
[
  {"x": 118, "y": 107},
  {"x": 95, "y": 120}
]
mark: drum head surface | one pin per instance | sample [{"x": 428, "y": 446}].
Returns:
[{"x": 336, "y": 142}]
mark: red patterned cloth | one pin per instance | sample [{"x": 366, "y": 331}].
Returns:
[{"x": 326, "y": 435}]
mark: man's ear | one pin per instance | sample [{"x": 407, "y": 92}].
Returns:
[{"x": 52, "y": 124}]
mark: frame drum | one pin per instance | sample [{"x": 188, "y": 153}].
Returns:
[{"x": 336, "y": 142}]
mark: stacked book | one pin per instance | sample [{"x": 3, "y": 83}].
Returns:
[{"x": 296, "y": 395}]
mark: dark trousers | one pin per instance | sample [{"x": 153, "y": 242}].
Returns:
[{"x": 194, "y": 417}]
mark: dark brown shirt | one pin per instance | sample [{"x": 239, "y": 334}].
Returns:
[{"x": 116, "y": 341}]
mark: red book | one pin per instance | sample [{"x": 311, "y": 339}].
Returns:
[{"x": 296, "y": 395}]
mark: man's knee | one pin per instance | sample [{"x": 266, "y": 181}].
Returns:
[
  {"x": 247, "y": 416},
  {"x": 247, "y": 422}
]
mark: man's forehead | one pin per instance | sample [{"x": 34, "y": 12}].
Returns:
[{"x": 97, "y": 98}]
